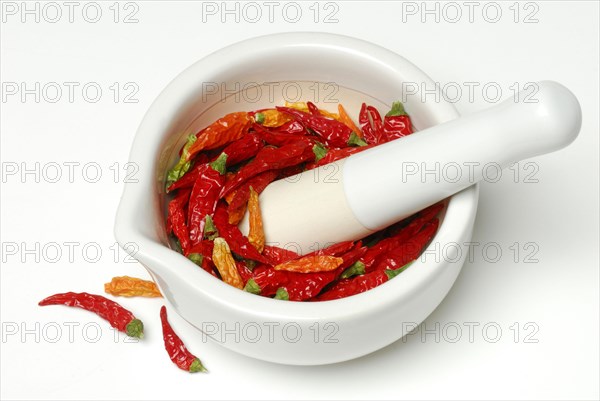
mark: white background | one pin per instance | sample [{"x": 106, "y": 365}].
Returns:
[{"x": 553, "y": 302}]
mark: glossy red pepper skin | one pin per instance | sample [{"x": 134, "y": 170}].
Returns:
[
  {"x": 176, "y": 349},
  {"x": 270, "y": 159},
  {"x": 395, "y": 127},
  {"x": 355, "y": 285},
  {"x": 292, "y": 127},
  {"x": 258, "y": 183},
  {"x": 279, "y": 255},
  {"x": 334, "y": 249},
  {"x": 299, "y": 286},
  {"x": 118, "y": 317},
  {"x": 176, "y": 219},
  {"x": 243, "y": 149},
  {"x": 245, "y": 273},
  {"x": 371, "y": 125},
  {"x": 333, "y": 132},
  {"x": 353, "y": 255},
  {"x": 408, "y": 250},
  {"x": 237, "y": 241},
  {"x": 400, "y": 235},
  {"x": 204, "y": 248},
  {"x": 335, "y": 155},
  {"x": 203, "y": 200},
  {"x": 275, "y": 138},
  {"x": 189, "y": 178}
]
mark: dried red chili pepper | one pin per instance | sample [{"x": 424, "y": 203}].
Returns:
[
  {"x": 396, "y": 123},
  {"x": 293, "y": 128},
  {"x": 204, "y": 196},
  {"x": 346, "y": 119},
  {"x": 176, "y": 221},
  {"x": 188, "y": 178},
  {"x": 333, "y": 132},
  {"x": 223, "y": 131},
  {"x": 400, "y": 236},
  {"x": 371, "y": 124},
  {"x": 270, "y": 159},
  {"x": 279, "y": 139},
  {"x": 234, "y": 237},
  {"x": 335, "y": 155},
  {"x": 278, "y": 255},
  {"x": 334, "y": 249},
  {"x": 258, "y": 183},
  {"x": 201, "y": 254},
  {"x": 243, "y": 270},
  {"x": 299, "y": 286},
  {"x": 357, "y": 284},
  {"x": 118, "y": 317},
  {"x": 243, "y": 149},
  {"x": 176, "y": 349},
  {"x": 409, "y": 250}
]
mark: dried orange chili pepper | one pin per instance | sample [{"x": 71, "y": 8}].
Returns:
[
  {"x": 126, "y": 286},
  {"x": 225, "y": 263},
  {"x": 345, "y": 118},
  {"x": 271, "y": 118},
  {"x": 256, "y": 234},
  {"x": 311, "y": 264},
  {"x": 223, "y": 131}
]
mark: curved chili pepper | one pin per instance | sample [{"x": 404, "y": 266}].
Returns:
[
  {"x": 396, "y": 123},
  {"x": 204, "y": 196},
  {"x": 189, "y": 177},
  {"x": 243, "y": 149},
  {"x": 333, "y": 132},
  {"x": 299, "y": 286},
  {"x": 279, "y": 138},
  {"x": 258, "y": 183},
  {"x": 176, "y": 221},
  {"x": 223, "y": 131},
  {"x": 345, "y": 118},
  {"x": 333, "y": 155},
  {"x": 400, "y": 236},
  {"x": 270, "y": 159},
  {"x": 372, "y": 124},
  {"x": 176, "y": 349},
  {"x": 118, "y": 317},
  {"x": 409, "y": 250}
]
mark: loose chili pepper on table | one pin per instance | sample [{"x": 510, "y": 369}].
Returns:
[
  {"x": 125, "y": 286},
  {"x": 176, "y": 349},
  {"x": 118, "y": 317}
]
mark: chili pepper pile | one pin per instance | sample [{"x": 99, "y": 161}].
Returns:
[{"x": 222, "y": 171}]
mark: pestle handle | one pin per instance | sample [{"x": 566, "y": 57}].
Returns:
[{"x": 351, "y": 198}]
